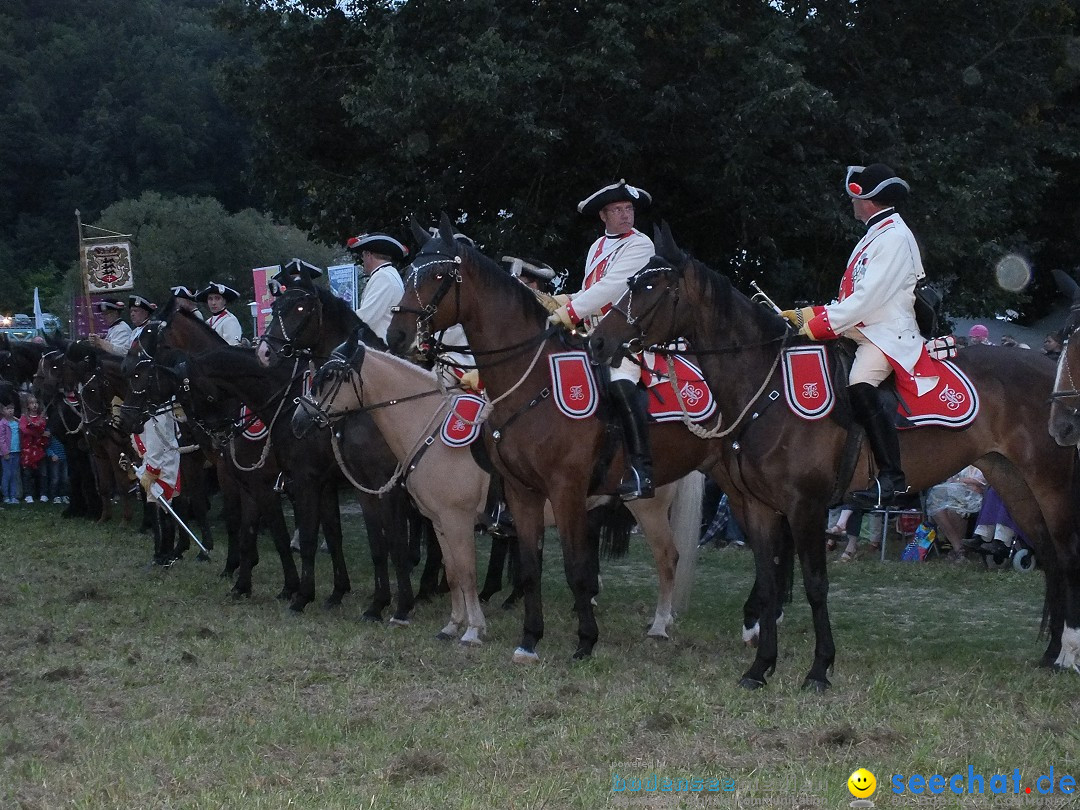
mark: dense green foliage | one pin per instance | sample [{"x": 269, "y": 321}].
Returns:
[
  {"x": 738, "y": 115},
  {"x": 101, "y": 100}
]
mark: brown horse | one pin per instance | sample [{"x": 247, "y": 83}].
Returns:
[
  {"x": 542, "y": 455},
  {"x": 794, "y": 465},
  {"x": 1065, "y": 400}
]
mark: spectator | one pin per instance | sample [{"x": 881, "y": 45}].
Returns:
[
  {"x": 9, "y": 452},
  {"x": 995, "y": 529},
  {"x": 33, "y": 439},
  {"x": 1052, "y": 345},
  {"x": 979, "y": 334},
  {"x": 56, "y": 459},
  {"x": 950, "y": 504},
  {"x": 1009, "y": 340}
]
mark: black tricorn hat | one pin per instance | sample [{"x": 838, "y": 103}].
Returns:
[
  {"x": 380, "y": 243},
  {"x": 109, "y": 303},
  {"x": 616, "y": 192},
  {"x": 180, "y": 291},
  {"x": 226, "y": 292},
  {"x": 294, "y": 269},
  {"x": 875, "y": 182},
  {"x": 139, "y": 301}
]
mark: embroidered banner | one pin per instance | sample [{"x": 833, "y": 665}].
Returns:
[
  {"x": 807, "y": 385},
  {"x": 572, "y": 381},
  {"x": 695, "y": 393},
  {"x": 460, "y": 428}
]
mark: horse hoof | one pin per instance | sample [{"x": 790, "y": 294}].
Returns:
[
  {"x": 441, "y": 636},
  {"x": 202, "y": 556},
  {"x": 815, "y": 685},
  {"x": 396, "y": 622},
  {"x": 238, "y": 595},
  {"x": 332, "y": 602},
  {"x": 510, "y": 603},
  {"x": 746, "y": 682},
  {"x": 485, "y": 596},
  {"x": 284, "y": 594},
  {"x": 371, "y": 618},
  {"x": 523, "y": 656},
  {"x": 471, "y": 642},
  {"x": 580, "y": 654}
]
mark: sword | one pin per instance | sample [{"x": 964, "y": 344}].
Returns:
[{"x": 159, "y": 497}]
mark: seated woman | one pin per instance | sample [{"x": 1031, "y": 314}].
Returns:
[
  {"x": 952, "y": 503},
  {"x": 995, "y": 529}
]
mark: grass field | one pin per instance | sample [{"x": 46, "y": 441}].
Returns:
[{"x": 125, "y": 688}]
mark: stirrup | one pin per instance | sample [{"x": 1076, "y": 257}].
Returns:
[
  {"x": 875, "y": 497},
  {"x": 635, "y": 486}
]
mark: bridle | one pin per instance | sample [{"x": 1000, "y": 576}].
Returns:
[
  {"x": 1065, "y": 370},
  {"x": 671, "y": 293},
  {"x": 447, "y": 279},
  {"x": 285, "y": 346}
]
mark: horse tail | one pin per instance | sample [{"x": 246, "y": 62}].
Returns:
[
  {"x": 613, "y": 521},
  {"x": 686, "y": 526}
]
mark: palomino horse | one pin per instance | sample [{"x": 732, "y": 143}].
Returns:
[
  {"x": 446, "y": 482},
  {"x": 792, "y": 465},
  {"x": 542, "y": 455}
]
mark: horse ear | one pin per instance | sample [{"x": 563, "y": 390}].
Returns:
[
  {"x": 446, "y": 229},
  {"x": 1067, "y": 284},
  {"x": 419, "y": 232},
  {"x": 665, "y": 244}
]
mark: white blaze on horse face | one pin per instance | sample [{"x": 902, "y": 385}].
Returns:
[{"x": 1069, "y": 658}]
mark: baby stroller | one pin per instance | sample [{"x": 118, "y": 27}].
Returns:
[{"x": 999, "y": 555}]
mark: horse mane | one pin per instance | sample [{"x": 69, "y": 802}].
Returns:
[
  {"x": 339, "y": 309},
  {"x": 199, "y": 323},
  {"x": 494, "y": 276},
  {"x": 408, "y": 367},
  {"x": 719, "y": 293}
]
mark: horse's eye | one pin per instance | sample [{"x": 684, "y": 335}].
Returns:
[
  {"x": 300, "y": 308},
  {"x": 648, "y": 287}
]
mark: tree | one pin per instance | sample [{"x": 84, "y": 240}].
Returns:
[{"x": 738, "y": 116}]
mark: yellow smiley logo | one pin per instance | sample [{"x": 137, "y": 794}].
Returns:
[{"x": 862, "y": 784}]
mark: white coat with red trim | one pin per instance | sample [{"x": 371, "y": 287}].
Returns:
[
  {"x": 877, "y": 295},
  {"x": 609, "y": 264},
  {"x": 160, "y": 450},
  {"x": 227, "y": 325}
]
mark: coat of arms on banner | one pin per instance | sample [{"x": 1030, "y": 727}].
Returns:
[{"x": 108, "y": 266}]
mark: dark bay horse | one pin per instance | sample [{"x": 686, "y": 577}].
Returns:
[
  {"x": 310, "y": 465},
  {"x": 792, "y": 465},
  {"x": 542, "y": 455}
]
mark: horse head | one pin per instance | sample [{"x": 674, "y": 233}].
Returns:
[
  {"x": 315, "y": 408},
  {"x": 296, "y": 322},
  {"x": 649, "y": 313},
  {"x": 434, "y": 272}
]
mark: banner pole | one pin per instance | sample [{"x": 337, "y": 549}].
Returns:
[{"x": 85, "y": 277}]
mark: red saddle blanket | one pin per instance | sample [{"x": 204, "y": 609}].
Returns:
[
  {"x": 953, "y": 402},
  {"x": 462, "y": 426},
  {"x": 255, "y": 429},
  {"x": 577, "y": 396}
]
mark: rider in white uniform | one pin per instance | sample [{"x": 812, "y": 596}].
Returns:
[
  {"x": 384, "y": 287},
  {"x": 613, "y": 258},
  {"x": 876, "y": 309},
  {"x": 216, "y": 296}
]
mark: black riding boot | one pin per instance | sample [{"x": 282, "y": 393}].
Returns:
[
  {"x": 884, "y": 444},
  {"x": 497, "y": 519},
  {"x": 633, "y": 413}
]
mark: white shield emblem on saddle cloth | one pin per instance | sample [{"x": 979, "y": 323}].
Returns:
[
  {"x": 461, "y": 426},
  {"x": 573, "y": 383},
  {"x": 807, "y": 385},
  {"x": 694, "y": 392},
  {"x": 255, "y": 430}
]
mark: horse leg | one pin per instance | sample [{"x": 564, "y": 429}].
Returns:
[
  {"x": 581, "y": 565},
  {"x": 246, "y": 547},
  {"x": 421, "y": 527},
  {"x": 496, "y": 562},
  {"x": 306, "y": 512},
  {"x": 458, "y": 615},
  {"x": 330, "y": 512},
  {"x": 765, "y": 529},
  {"x": 396, "y": 532},
  {"x": 652, "y": 517},
  {"x": 528, "y": 511},
  {"x": 274, "y": 520},
  {"x": 374, "y": 514},
  {"x": 805, "y": 524}
]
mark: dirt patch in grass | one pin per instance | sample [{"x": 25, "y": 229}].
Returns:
[
  {"x": 87, "y": 593},
  {"x": 63, "y": 674},
  {"x": 412, "y": 764}
]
